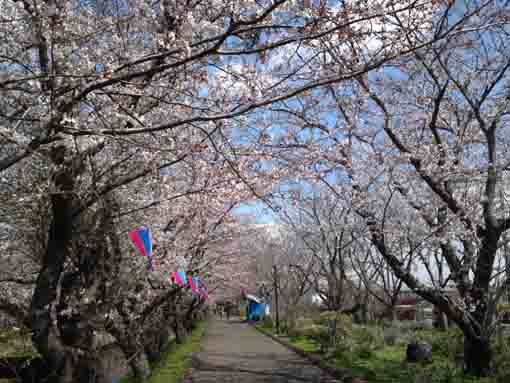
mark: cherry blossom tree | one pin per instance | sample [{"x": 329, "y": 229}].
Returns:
[
  {"x": 446, "y": 158},
  {"x": 116, "y": 113}
]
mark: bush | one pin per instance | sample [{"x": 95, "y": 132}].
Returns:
[
  {"x": 369, "y": 338},
  {"x": 344, "y": 349},
  {"x": 441, "y": 344},
  {"x": 501, "y": 363},
  {"x": 344, "y": 323},
  {"x": 267, "y": 322},
  {"x": 364, "y": 352},
  {"x": 426, "y": 324},
  {"x": 314, "y": 331},
  {"x": 303, "y": 322},
  {"x": 401, "y": 326},
  {"x": 444, "y": 343},
  {"x": 317, "y": 333},
  {"x": 393, "y": 336}
]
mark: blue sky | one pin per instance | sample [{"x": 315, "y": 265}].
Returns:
[{"x": 262, "y": 214}]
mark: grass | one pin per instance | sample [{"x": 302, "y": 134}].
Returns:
[
  {"x": 174, "y": 363},
  {"x": 305, "y": 343},
  {"x": 387, "y": 364},
  {"x": 176, "y": 360}
]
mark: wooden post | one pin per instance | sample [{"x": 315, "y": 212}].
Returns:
[
  {"x": 332, "y": 333},
  {"x": 275, "y": 283}
]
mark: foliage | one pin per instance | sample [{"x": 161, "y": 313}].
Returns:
[
  {"x": 343, "y": 322},
  {"x": 370, "y": 337},
  {"x": 313, "y": 331},
  {"x": 501, "y": 367}
]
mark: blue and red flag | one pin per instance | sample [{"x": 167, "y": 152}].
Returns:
[
  {"x": 180, "y": 278},
  {"x": 141, "y": 238},
  {"x": 191, "y": 283},
  {"x": 202, "y": 289}
]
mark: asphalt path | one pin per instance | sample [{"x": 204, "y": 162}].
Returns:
[{"x": 234, "y": 352}]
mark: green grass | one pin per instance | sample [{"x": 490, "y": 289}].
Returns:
[
  {"x": 305, "y": 343},
  {"x": 387, "y": 364},
  {"x": 174, "y": 363}
]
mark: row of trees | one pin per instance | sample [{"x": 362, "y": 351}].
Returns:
[{"x": 116, "y": 113}]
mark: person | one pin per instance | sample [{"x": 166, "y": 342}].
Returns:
[{"x": 228, "y": 310}]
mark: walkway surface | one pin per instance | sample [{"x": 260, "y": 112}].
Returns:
[{"x": 234, "y": 352}]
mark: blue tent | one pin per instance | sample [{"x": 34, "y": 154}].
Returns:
[{"x": 256, "y": 310}]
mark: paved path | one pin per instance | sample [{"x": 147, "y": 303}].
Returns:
[{"x": 233, "y": 352}]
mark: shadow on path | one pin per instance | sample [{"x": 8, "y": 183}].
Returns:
[{"x": 233, "y": 352}]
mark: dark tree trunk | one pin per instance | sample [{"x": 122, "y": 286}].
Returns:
[
  {"x": 45, "y": 332},
  {"x": 139, "y": 363},
  {"x": 477, "y": 355},
  {"x": 180, "y": 332},
  {"x": 50, "y": 333},
  {"x": 136, "y": 357}
]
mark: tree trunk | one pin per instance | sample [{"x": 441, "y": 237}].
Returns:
[
  {"x": 179, "y": 330},
  {"x": 444, "y": 321},
  {"x": 140, "y": 366},
  {"x": 477, "y": 355},
  {"x": 46, "y": 336},
  {"x": 394, "y": 313}
]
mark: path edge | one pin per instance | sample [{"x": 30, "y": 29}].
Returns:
[
  {"x": 315, "y": 360},
  {"x": 193, "y": 359}
]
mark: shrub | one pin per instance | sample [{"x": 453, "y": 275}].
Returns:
[
  {"x": 344, "y": 323},
  {"x": 267, "y": 322},
  {"x": 441, "y": 344},
  {"x": 501, "y": 363},
  {"x": 303, "y": 322},
  {"x": 315, "y": 332},
  {"x": 444, "y": 343},
  {"x": 393, "y": 336},
  {"x": 426, "y": 324},
  {"x": 369, "y": 338},
  {"x": 344, "y": 349},
  {"x": 401, "y": 326},
  {"x": 364, "y": 352}
]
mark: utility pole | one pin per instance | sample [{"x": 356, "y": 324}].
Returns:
[{"x": 275, "y": 282}]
